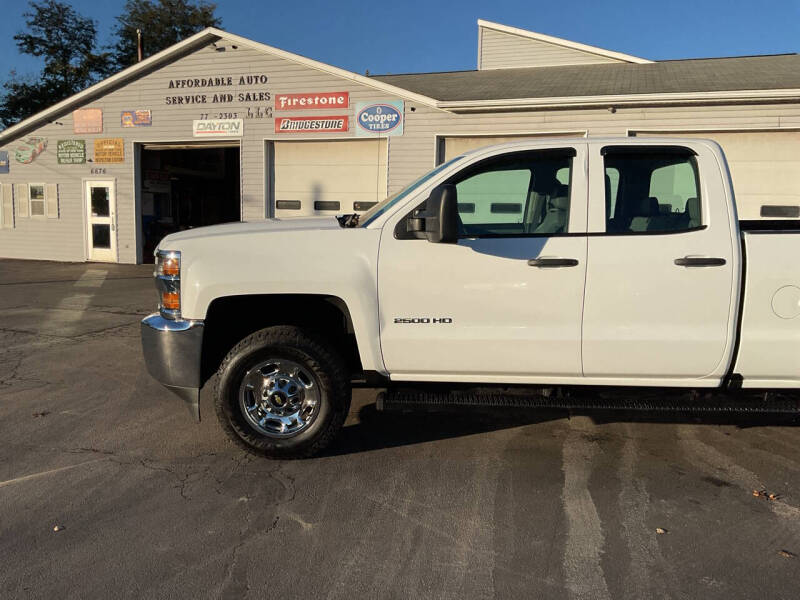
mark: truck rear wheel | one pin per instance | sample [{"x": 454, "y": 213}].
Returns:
[{"x": 282, "y": 392}]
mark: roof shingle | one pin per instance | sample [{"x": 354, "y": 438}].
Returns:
[{"x": 695, "y": 75}]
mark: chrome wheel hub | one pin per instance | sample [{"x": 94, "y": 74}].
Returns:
[{"x": 279, "y": 397}]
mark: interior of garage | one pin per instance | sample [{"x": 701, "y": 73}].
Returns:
[{"x": 184, "y": 187}]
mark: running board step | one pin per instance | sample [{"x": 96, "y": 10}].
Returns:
[{"x": 669, "y": 401}]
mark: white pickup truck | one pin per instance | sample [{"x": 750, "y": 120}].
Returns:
[{"x": 524, "y": 267}]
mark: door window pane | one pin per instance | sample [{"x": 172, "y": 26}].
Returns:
[
  {"x": 651, "y": 192},
  {"x": 515, "y": 194},
  {"x": 101, "y": 236},
  {"x": 100, "y": 202}
]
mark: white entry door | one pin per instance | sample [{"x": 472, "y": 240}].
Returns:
[{"x": 101, "y": 220}]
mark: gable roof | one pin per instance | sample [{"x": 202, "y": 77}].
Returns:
[
  {"x": 183, "y": 48},
  {"x": 762, "y": 77},
  {"x": 555, "y": 41}
]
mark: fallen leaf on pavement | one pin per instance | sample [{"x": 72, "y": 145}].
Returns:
[
  {"x": 660, "y": 530},
  {"x": 787, "y": 554}
]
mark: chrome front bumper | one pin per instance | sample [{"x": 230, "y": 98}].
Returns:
[{"x": 172, "y": 352}]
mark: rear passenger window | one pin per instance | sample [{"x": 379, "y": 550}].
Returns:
[
  {"x": 651, "y": 192},
  {"x": 516, "y": 194}
]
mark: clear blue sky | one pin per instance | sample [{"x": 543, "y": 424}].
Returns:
[{"x": 412, "y": 35}]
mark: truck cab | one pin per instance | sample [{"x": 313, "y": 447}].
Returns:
[{"x": 570, "y": 263}]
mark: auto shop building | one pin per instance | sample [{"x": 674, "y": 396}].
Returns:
[{"x": 220, "y": 128}]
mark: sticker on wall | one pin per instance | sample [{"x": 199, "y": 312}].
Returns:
[
  {"x": 109, "y": 150},
  {"x": 218, "y": 128},
  {"x": 87, "y": 120},
  {"x": 71, "y": 152},
  {"x": 4, "y": 164},
  {"x": 379, "y": 118},
  {"x": 312, "y": 101},
  {"x": 30, "y": 148},
  {"x": 137, "y": 118},
  {"x": 311, "y": 124}
]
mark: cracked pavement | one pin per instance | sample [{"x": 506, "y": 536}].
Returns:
[{"x": 430, "y": 505}]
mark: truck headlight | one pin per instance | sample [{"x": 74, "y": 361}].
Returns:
[{"x": 168, "y": 283}]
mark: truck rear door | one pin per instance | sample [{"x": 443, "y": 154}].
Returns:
[{"x": 663, "y": 266}]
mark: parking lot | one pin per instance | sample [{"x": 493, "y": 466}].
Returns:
[{"x": 430, "y": 505}]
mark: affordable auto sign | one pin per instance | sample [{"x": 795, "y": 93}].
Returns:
[{"x": 379, "y": 118}]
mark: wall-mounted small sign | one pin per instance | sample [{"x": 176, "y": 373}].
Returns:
[
  {"x": 311, "y": 124},
  {"x": 30, "y": 148},
  {"x": 97, "y": 171},
  {"x": 379, "y": 118},
  {"x": 218, "y": 128},
  {"x": 312, "y": 101},
  {"x": 4, "y": 163},
  {"x": 109, "y": 150},
  {"x": 87, "y": 120},
  {"x": 71, "y": 152},
  {"x": 137, "y": 118}
]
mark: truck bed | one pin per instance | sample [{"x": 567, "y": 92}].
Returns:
[{"x": 770, "y": 321}]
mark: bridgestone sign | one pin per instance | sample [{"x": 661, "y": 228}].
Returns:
[{"x": 313, "y": 124}]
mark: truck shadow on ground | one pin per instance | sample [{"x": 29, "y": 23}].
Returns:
[{"x": 380, "y": 430}]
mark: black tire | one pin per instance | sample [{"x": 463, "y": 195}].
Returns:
[{"x": 314, "y": 354}]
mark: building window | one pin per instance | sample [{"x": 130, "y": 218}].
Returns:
[{"x": 37, "y": 201}]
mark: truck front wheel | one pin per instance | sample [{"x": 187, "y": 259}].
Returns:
[{"x": 282, "y": 392}]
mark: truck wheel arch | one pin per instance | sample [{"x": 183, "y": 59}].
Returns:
[{"x": 230, "y": 319}]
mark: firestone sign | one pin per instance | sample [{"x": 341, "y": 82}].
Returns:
[
  {"x": 218, "y": 128},
  {"x": 312, "y": 101}
]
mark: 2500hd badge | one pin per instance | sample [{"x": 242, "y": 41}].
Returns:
[{"x": 423, "y": 320}]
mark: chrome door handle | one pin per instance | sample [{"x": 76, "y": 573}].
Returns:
[
  {"x": 699, "y": 261},
  {"x": 553, "y": 263}
]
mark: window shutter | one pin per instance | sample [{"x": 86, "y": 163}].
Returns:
[
  {"x": 21, "y": 194},
  {"x": 7, "y": 206},
  {"x": 51, "y": 200}
]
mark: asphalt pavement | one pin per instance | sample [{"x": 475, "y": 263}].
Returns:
[{"x": 472, "y": 504}]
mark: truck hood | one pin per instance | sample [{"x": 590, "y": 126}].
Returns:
[{"x": 226, "y": 229}]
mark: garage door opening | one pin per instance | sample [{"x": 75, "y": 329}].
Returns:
[{"x": 186, "y": 187}]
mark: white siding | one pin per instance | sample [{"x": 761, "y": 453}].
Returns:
[
  {"x": 500, "y": 50},
  {"x": 415, "y": 152},
  {"x": 64, "y": 238}
]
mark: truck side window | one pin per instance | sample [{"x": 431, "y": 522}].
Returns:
[
  {"x": 515, "y": 194},
  {"x": 651, "y": 192}
]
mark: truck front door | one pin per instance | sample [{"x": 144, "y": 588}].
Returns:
[
  {"x": 663, "y": 268},
  {"x": 504, "y": 304}
]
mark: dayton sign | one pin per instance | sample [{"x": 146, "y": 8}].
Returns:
[{"x": 218, "y": 128}]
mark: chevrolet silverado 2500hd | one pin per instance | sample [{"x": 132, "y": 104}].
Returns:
[{"x": 586, "y": 262}]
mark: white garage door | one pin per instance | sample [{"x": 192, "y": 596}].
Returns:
[
  {"x": 456, "y": 145},
  {"x": 328, "y": 178},
  {"x": 765, "y": 167}
]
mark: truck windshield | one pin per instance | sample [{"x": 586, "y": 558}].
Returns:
[{"x": 381, "y": 207}]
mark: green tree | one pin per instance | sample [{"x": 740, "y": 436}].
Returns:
[
  {"x": 66, "y": 41},
  {"x": 162, "y": 23}
]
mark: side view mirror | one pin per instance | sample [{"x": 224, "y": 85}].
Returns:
[{"x": 438, "y": 222}]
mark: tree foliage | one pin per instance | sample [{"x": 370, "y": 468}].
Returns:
[
  {"x": 162, "y": 22},
  {"x": 66, "y": 41}
]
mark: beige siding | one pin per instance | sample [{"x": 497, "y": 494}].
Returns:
[
  {"x": 415, "y": 152},
  {"x": 765, "y": 166},
  {"x": 500, "y": 50},
  {"x": 64, "y": 238}
]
